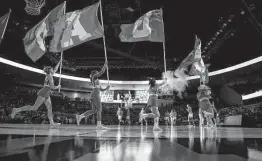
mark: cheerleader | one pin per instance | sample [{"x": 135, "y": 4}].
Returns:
[
  {"x": 43, "y": 96},
  {"x": 128, "y": 116},
  {"x": 152, "y": 102},
  {"x": 128, "y": 100},
  {"x": 204, "y": 104},
  {"x": 120, "y": 115},
  {"x": 118, "y": 96},
  {"x": 95, "y": 98},
  {"x": 140, "y": 115},
  {"x": 215, "y": 118},
  {"x": 173, "y": 117},
  {"x": 166, "y": 118},
  {"x": 201, "y": 117},
  {"x": 190, "y": 116}
]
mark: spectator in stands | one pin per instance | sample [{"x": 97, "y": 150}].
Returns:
[{"x": 43, "y": 95}]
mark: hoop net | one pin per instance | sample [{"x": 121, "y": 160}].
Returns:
[{"x": 33, "y": 7}]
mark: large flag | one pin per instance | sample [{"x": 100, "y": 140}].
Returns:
[
  {"x": 194, "y": 60},
  {"x": 34, "y": 40},
  {"x": 80, "y": 26},
  {"x": 149, "y": 27},
  {"x": 3, "y": 24}
]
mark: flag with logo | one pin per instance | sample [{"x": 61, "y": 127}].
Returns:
[
  {"x": 3, "y": 24},
  {"x": 34, "y": 40},
  {"x": 149, "y": 27},
  {"x": 197, "y": 68},
  {"x": 194, "y": 59},
  {"x": 80, "y": 26}
]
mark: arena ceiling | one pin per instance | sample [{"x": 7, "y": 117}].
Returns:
[{"x": 238, "y": 41}]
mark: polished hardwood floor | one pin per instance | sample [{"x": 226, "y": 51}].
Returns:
[{"x": 28, "y": 142}]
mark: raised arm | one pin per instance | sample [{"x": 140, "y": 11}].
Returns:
[
  {"x": 51, "y": 82},
  {"x": 102, "y": 71},
  {"x": 162, "y": 83},
  {"x": 57, "y": 66}
]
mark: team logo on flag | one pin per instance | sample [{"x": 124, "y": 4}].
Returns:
[
  {"x": 146, "y": 30},
  {"x": 148, "y": 27},
  {"x": 41, "y": 33}
]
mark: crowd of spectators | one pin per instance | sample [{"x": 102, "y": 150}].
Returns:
[
  {"x": 64, "y": 110},
  {"x": 252, "y": 111}
]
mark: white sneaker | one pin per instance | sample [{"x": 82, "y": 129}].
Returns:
[
  {"x": 101, "y": 127},
  {"x": 53, "y": 125},
  {"x": 157, "y": 128}
]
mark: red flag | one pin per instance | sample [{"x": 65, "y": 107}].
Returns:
[
  {"x": 3, "y": 24},
  {"x": 34, "y": 43},
  {"x": 149, "y": 27},
  {"x": 197, "y": 68},
  {"x": 80, "y": 26},
  {"x": 194, "y": 59}
]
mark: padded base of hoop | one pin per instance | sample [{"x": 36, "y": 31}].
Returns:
[{"x": 32, "y": 11}]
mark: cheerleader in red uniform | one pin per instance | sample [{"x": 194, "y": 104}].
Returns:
[
  {"x": 203, "y": 97},
  {"x": 95, "y": 98},
  {"x": 152, "y": 102},
  {"x": 43, "y": 96}
]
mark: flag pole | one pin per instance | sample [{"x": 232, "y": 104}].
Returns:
[
  {"x": 2, "y": 36},
  {"x": 61, "y": 58},
  {"x": 61, "y": 63},
  {"x": 104, "y": 39},
  {"x": 164, "y": 46}
]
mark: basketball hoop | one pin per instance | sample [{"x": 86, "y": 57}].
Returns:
[{"x": 33, "y": 7}]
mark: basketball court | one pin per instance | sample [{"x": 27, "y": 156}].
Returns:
[{"x": 28, "y": 142}]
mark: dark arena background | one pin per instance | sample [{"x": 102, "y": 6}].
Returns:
[{"x": 221, "y": 37}]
